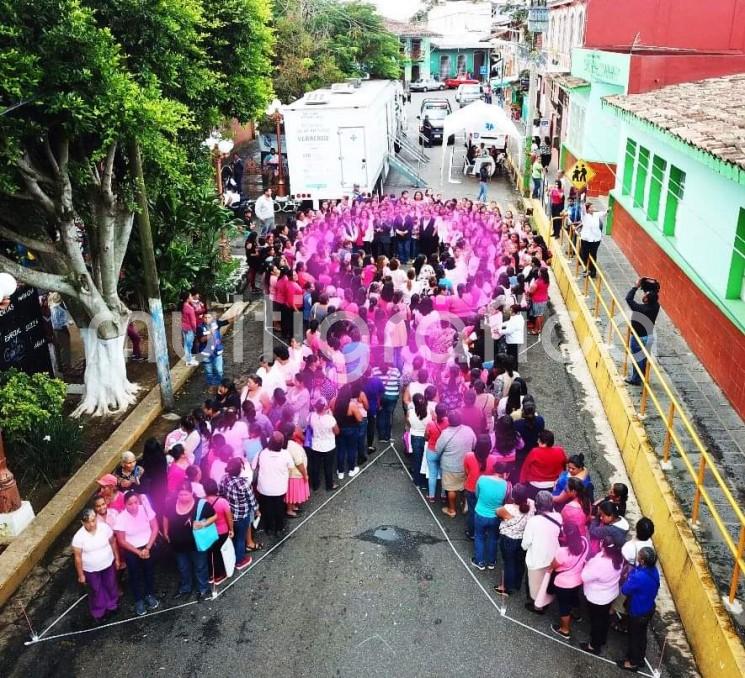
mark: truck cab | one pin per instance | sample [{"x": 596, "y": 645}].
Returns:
[{"x": 436, "y": 110}]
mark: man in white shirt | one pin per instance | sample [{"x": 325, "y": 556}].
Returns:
[
  {"x": 591, "y": 233},
  {"x": 513, "y": 331},
  {"x": 264, "y": 211}
]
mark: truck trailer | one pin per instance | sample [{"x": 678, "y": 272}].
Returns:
[{"x": 339, "y": 140}]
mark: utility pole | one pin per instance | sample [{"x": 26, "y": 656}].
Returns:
[{"x": 152, "y": 286}]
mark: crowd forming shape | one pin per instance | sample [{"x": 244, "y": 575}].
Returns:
[{"x": 411, "y": 304}]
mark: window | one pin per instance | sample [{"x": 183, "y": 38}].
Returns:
[
  {"x": 640, "y": 185},
  {"x": 655, "y": 188},
  {"x": 628, "y": 167},
  {"x": 675, "y": 188},
  {"x": 736, "y": 280}
]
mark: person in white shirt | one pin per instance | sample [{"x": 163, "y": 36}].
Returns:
[
  {"x": 513, "y": 330},
  {"x": 591, "y": 233},
  {"x": 264, "y": 211},
  {"x": 540, "y": 543}
]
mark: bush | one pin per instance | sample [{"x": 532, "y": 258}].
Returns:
[
  {"x": 29, "y": 401},
  {"x": 48, "y": 452}
]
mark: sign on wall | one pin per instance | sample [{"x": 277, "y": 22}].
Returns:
[
  {"x": 23, "y": 344},
  {"x": 611, "y": 68},
  {"x": 580, "y": 174}
]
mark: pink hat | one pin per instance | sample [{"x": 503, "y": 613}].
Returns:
[{"x": 109, "y": 480}]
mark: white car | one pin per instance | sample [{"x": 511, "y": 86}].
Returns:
[{"x": 429, "y": 85}]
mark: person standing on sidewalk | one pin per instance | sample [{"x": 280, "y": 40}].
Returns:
[
  {"x": 591, "y": 234},
  {"x": 643, "y": 318},
  {"x": 264, "y": 211}
]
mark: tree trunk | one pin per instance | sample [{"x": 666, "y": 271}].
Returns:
[{"x": 107, "y": 389}]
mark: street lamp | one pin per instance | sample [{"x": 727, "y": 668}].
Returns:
[
  {"x": 274, "y": 111},
  {"x": 220, "y": 149}
]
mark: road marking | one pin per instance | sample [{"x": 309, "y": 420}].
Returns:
[
  {"x": 41, "y": 639},
  {"x": 499, "y": 609}
]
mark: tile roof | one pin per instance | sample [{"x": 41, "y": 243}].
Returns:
[
  {"x": 707, "y": 114},
  {"x": 569, "y": 81},
  {"x": 404, "y": 29}
]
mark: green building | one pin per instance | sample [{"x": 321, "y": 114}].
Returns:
[
  {"x": 451, "y": 57},
  {"x": 678, "y": 212},
  {"x": 416, "y": 48}
]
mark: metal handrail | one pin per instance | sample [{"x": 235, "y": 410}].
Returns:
[
  {"x": 412, "y": 149},
  {"x": 669, "y": 414}
]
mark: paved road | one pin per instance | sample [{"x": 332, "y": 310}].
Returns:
[{"x": 367, "y": 586}]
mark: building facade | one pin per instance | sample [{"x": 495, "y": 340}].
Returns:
[
  {"x": 416, "y": 48},
  {"x": 678, "y": 212}
]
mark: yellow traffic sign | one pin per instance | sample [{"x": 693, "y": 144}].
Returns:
[{"x": 580, "y": 174}]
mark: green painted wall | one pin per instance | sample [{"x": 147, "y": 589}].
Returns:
[
  {"x": 594, "y": 131},
  {"x": 423, "y": 62},
  {"x": 437, "y": 53},
  {"x": 707, "y": 208}
]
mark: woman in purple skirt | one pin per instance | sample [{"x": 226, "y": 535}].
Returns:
[{"x": 96, "y": 557}]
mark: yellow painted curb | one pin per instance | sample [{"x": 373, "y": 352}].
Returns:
[
  {"x": 716, "y": 646},
  {"x": 25, "y": 552}
]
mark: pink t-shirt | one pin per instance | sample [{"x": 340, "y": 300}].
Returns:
[
  {"x": 235, "y": 436},
  {"x": 222, "y": 509},
  {"x": 136, "y": 528},
  {"x": 573, "y": 513},
  {"x": 570, "y": 566},
  {"x": 176, "y": 476}
]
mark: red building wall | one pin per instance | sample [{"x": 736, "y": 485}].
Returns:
[
  {"x": 691, "y": 24},
  {"x": 712, "y": 337},
  {"x": 652, "y": 71},
  {"x": 604, "y": 179}
]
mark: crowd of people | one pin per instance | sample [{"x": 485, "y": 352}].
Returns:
[{"x": 411, "y": 308}]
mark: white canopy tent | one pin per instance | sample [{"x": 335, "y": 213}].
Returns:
[{"x": 486, "y": 120}]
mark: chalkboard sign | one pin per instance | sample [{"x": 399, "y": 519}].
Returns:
[{"x": 22, "y": 341}]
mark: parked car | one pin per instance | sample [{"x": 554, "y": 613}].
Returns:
[
  {"x": 428, "y": 85},
  {"x": 452, "y": 83},
  {"x": 467, "y": 93},
  {"x": 437, "y": 110}
]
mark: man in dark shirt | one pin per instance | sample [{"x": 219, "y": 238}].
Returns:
[{"x": 643, "y": 318}]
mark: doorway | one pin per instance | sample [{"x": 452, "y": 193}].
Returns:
[
  {"x": 478, "y": 64},
  {"x": 444, "y": 66},
  {"x": 415, "y": 73},
  {"x": 461, "y": 67}
]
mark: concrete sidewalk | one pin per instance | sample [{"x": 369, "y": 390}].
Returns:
[{"x": 721, "y": 429}]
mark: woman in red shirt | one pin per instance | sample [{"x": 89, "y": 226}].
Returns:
[
  {"x": 478, "y": 463},
  {"x": 543, "y": 465}
]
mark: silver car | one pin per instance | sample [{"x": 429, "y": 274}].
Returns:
[{"x": 428, "y": 85}]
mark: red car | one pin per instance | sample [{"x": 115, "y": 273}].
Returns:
[{"x": 452, "y": 83}]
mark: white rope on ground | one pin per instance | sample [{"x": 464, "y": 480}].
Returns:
[
  {"x": 44, "y": 632},
  {"x": 502, "y": 610},
  {"x": 42, "y": 639}
]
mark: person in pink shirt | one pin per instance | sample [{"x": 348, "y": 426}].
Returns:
[
  {"x": 600, "y": 578},
  {"x": 188, "y": 327},
  {"x": 577, "y": 510},
  {"x": 177, "y": 470},
  {"x": 567, "y": 566}
]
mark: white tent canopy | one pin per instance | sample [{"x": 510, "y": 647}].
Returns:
[{"x": 487, "y": 120}]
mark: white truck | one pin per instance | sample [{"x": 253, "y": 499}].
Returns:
[{"x": 340, "y": 139}]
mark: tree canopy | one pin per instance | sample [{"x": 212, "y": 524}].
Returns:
[
  {"x": 323, "y": 41},
  {"x": 80, "y": 82}
]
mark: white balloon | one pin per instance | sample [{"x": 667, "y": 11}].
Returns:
[{"x": 8, "y": 285}]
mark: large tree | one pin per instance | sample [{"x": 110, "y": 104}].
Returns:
[
  {"x": 81, "y": 82},
  {"x": 323, "y": 41}
]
